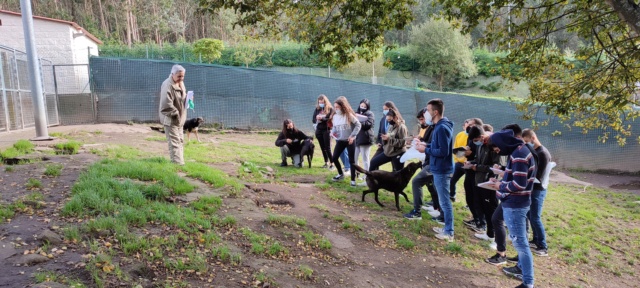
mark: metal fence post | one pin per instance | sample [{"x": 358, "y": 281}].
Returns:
[
  {"x": 5, "y": 105},
  {"x": 18, "y": 88}
]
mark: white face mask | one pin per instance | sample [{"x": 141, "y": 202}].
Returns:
[
  {"x": 338, "y": 111},
  {"x": 427, "y": 118}
]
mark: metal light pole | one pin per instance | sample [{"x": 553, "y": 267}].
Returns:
[{"x": 34, "y": 73}]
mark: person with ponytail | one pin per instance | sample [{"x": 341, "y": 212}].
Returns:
[
  {"x": 345, "y": 129},
  {"x": 393, "y": 142},
  {"x": 322, "y": 123}
]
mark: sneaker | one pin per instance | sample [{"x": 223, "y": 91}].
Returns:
[
  {"x": 470, "y": 223},
  {"x": 533, "y": 245},
  {"x": 299, "y": 165},
  {"x": 513, "y": 259},
  {"x": 283, "y": 164},
  {"x": 439, "y": 220},
  {"x": 493, "y": 245},
  {"x": 438, "y": 230},
  {"x": 434, "y": 213},
  {"x": 338, "y": 177},
  {"x": 483, "y": 236},
  {"x": 353, "y": 183},
  {"x": 331, "y": 167},
  {"x": 453, "y": 199},
  {"x": 362, "y": 184},
  {"x": 496, "y": 260},
  {"x": 413, "y": 215},
  {"x": 325, "y": 166},
  {"x": 430, "y": 203},
  {"x": 428, "y": 208},
  {"x": 347, "y": 171},
  {"x": 442, "y": 236},
  {"x": 540, "y": 252},
  {"x": 479, "y": 228},
  {"x": 513, "y": 271}
]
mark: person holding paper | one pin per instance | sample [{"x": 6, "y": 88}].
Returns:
[
  {"x": 321, "y": 121},
  {"x": 173, "y": 112},
  {"x": 384, "y": 125},
  {"x": 393, "y": 143},
  {"x": 365, "y": 137}
]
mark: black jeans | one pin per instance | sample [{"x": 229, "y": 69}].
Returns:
[
  {"x": 325, "y": 144},
  {"x": 488, "y": 204},
  {"x": 458, "y": 172},
  {"x": 472, "y": 199},
  {"x": 381, "y": 159},
  {"x": 351, "y": 150},
  {"x": 498, "y": 226}
]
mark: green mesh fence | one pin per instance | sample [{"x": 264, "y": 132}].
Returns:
[{"x": 128, "y": 90}]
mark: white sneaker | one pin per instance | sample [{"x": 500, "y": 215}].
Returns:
[
  {"x": 483, "y": 236},
  {"x": 434, "y": 213},
  {"x": 347, "y": 173},
  {"x": 362, "y": 184},
  {"x": 353, "y": 183},
  {"x": 442, "y": 236},
  {"x": 493, "y": 245},
  {"x": 428, "y": 208},
  {"x": 438, "y": 230}
]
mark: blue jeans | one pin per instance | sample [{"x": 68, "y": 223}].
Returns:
[
  {"x": 516, "y": 220},
  {"x": 539, "y": 235},
  {"x": 442, "y": 183},
  {"x": 458, "y": 172},
  {"x": 345, "y": 160}
]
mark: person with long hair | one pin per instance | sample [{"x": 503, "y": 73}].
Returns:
[
  {"x": 393, "y": 142},
  {"x": 290, "y": 142},
  {"x": 321, "y": 121},
  {"x": 365, "y": 137},
  {"x": 345, "y": 129},
  {"x": 384, "y": 125}
]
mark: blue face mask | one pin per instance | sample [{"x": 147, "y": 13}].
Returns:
[
  {"x": 321, "y": 105},
  {"x": 385, "y": 112},
  {"x": 477, "y": 143}
]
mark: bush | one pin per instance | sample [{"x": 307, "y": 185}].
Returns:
[{"x": 400, "y": 59}]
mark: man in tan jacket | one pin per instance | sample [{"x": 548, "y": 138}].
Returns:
[{"x": 173, "y": 113}]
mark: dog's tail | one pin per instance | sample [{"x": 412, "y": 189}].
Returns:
[{"x": 361, "y": 170}]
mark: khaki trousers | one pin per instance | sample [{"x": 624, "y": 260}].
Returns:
[{"x": 175, "y": 138}]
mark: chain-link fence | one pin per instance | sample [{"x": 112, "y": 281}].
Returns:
[
  {"x": 128, "y": 90},
  {"x": 16, "y": 103}
]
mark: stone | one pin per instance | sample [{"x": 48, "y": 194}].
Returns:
[
  {"x": 32, "y": 259},
  {"x": 50, "y": 237}
]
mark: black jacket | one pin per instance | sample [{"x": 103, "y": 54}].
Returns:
[
  {"x": 485, "y": 159},
  {"x": 296, "y": 146},
  {"x": 426, "y": 138},
  {"x": 365, "y": 136},
  {"x": 322, "y": 124}
]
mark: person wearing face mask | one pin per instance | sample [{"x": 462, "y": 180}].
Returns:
[
  {"x": 485, "y": 199},
  {"x": 345, "y": 129},
  {"x": 393, "y": 143},
  {"x": 290, "y": 142},
  {"x": 365, "y": 137},
  {"x": 514, "y": 190},
  {"x": 458, "y": 160},
  {"x": 321, "y": 120},
  {"x": 384, "y": 125},
  {"x": 477, "y": 222}
]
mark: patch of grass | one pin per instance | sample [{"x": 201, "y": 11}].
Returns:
[
  {"x": 50, "y": 276},
  {"x": 454, "y": 248},
  {"x": 53, "y": 170},
  {"x": 10, "y": 153},
  {"x": 24, "y": 146},
  {"x": 33, "y": 183},
  {"x": 263, "y": 278},
  {"x": 72, "y": 233},
  {"x": 97, "y": 132},
  {"x": 320, "y": 207},
  {"x": 70, "y": 147},
  {"x": 156, "y": 138},
  {"x": 225, "y": 255},
  {"x": 314, "y": 240},
  {"x": 304, "y": 273},
  {"x": 6, "y": 212},
  {"x": 285, "y": 220},
  {"x": 35, "y": 196},
  {"x": 207, "y": 204},
  {"x": 213, "y": 176},
  {"x": 263, "y": 244},
  {"x": 57, "y": 135},
  {"x": 9, "y": 169},
  {"x": 120, "y": 152},
  {"x": 402, "y": 241}
]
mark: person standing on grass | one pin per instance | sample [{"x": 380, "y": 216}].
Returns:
[
  {"x": 458, "y": 171},
  {"x": 393, "y": 143},
  {"x": 514, "y": 190},
  {"x": 321, "y": 116},
  {"x": 440, "y": 153},
  {"x": 365, "y": 137},
  {"x": 173, "y": 112},
  {"x": 345, "y": 129},
  {"x": 384, "y": 125}
]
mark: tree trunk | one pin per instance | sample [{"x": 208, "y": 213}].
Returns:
[
  {"x": 103, "y": 23},
  {"x": 441, "y": 81},
  {"x": 628, "y": 11},
  {"x": 128, "y": 16}
]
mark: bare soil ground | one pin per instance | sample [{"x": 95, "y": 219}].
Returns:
[{"x": 358, "y": 258}]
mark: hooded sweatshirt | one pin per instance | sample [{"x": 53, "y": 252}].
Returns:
[
  {"x": 520, "y": 173},
  {"x": 343, "y": 128},
  {"x": 440, "y": 150}
]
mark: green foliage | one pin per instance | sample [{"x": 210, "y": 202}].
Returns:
[
  {"x": 208, "y": 49},
  {"x": 442, "y": 51},
  {"x": 488, "y": 62},
  {"x": 24, "y": 146},
  {"x": 282, "y": 220},
  {"x": 53, "y": 170},
  {"x": 207, "y": 204},
  {"x": 70, "y": 147},
  {"x": 401, "y": 59},
  {"x": 33, "y": 183},
  {"x": 6, "y": 212}
]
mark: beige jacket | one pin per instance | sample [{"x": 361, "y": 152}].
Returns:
[
  {"x": 172, "y": 109},
  {"x": 395, "y": 145}
]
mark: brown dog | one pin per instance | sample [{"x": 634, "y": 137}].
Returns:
[
  {"x": 192, "y": 125},
  {"x": 391, "y": 181}
]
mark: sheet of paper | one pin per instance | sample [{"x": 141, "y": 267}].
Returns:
[{"x": 487, "y": 185}]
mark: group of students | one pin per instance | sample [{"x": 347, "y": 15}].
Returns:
[{"x": 506, "y": 172}]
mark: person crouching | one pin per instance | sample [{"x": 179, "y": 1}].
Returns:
[{"x": 290, "y": 143}]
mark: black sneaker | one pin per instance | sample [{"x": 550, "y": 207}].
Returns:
[
  {"x": 513, "y": 271},
  {"x": 325, "y": 166},
  {"x": 479, "y": 228},
  {"x": 430, "y": 203},
  {"x": 540, "y": 252},
  {"x": 283, "y": 164},
  {"x": 453, "y": 199},
  {"x": 533, "y": 245},
  {"x": 413, "y": 215},
  {"x": 338, "y": 177},
  {"x": 496, "y": 260},
  {"x": 470, "y": 223},
  {"x": 439, "y": 220},
  {"x": 299, "y": 165},
  {"x": 513, "y": 259}
]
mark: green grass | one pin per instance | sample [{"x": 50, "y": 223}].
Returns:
[
  {"x": 156, "y": 138},
  {"x": 6, "y": 212},
  {"x": 213, "y": 176},
  {"x": 304, "y": 272},
  {"x": 21, "y": 147},
  {"x": 262, "y": 244},
  {"x": 207, "y": 204},
  {"x": 120, "y": 152},
  {"x": 314, "y": 240},
  {"x": 402, "y": 241},
  {"x": 51, "y": 276},
  {"x": 33, "y": 183},
  {"x": 9, "y": 169},
  {"x": 70, "y": 147},
  {"x": 53, "y": 170},
  {"x": 285, "y": 220},
  {"x": 225, "y": 255}
]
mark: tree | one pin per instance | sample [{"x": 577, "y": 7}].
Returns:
[
  {"x": 209, "y": 49},
  {"x": 592, "y": 91},
  {"x": 442, "y": 51},
  {"x": 338, "y": 30}
]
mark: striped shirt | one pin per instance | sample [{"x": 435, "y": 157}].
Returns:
[{"x": 517, "y": 182}]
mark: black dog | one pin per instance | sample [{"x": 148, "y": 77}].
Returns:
[
  {"x": 307, "y": 149},
  {"x": 192, "y": 125},
  {"x": 391, "y": 181}
]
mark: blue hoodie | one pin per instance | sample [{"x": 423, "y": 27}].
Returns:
[
  {"x": 520, "y": 173},
  {"x": 440, "y": 150}
]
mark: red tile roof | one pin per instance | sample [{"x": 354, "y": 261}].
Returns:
[{"x": 75, "y": 25}]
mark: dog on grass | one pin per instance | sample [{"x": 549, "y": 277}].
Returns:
[
  {"x": 307, "y": 149},
  {"x": 391, "y": 181},
  {"x": 192, "y": 125}
]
